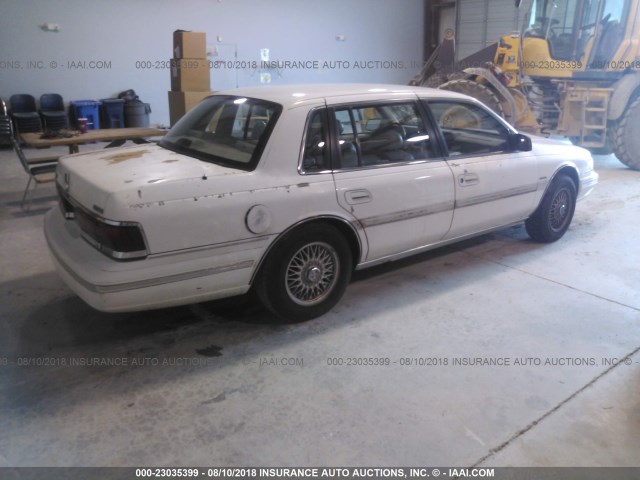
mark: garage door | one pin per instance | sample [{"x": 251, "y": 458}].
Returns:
[{"x": 481, "y": 22}]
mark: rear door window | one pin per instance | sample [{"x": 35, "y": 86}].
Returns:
[{"x": 381, "y": 134}]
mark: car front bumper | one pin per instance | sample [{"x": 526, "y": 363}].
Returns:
[{"x": 587, "y": 183}]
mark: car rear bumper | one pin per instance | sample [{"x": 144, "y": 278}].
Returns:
[{"x": 176, "y": 278}]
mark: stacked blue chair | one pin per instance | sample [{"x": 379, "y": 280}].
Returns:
[
  {"x": 54, "y": 117},
  {"x": 24, "y": 113}
]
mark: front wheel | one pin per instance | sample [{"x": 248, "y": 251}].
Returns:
[
  {"x": 554, "y": 214},
  {"x": 306, "y": 273}
]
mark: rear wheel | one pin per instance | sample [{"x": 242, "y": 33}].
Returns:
[
  {"x": 554, "y": 214},
  {"x": 476, "y": 90},
  {"x": 624, "y": 136},
  {"x": 306, "y": 273}
]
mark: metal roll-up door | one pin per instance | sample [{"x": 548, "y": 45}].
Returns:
[{"x": 479, "y": 23}]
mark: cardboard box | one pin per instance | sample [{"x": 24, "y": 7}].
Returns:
[
  {"x": 181, "y": 102},
  {"x": 189, "y": 44},
  {"x": 190, "y": 75}
]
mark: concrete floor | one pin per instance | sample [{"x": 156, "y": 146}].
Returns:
[{"x": 227, "y": 403}]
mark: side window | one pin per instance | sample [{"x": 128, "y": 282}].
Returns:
[
  {"x": 469, "y": 129},
  {"x": 315, "y": 157},
  {"x": 381, "y": 134}
]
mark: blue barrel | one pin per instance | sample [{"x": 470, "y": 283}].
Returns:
[
  {"x": 112, "y": 112},
  {"x": 89, "y": 109}
]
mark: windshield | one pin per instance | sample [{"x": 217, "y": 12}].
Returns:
[
  {"x": 223, "y": 129},
  {"x": 555, "y": 21}
]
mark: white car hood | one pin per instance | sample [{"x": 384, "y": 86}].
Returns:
[
  {"x": 558, "y": 146},
  {"x": 129, "y": 175}
]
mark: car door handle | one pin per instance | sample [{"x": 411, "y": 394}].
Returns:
[
  {"x": 467, "y": 179},
  {"x": 355, "y": 197}
]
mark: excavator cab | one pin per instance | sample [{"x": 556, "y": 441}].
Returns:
[{"x": 561, "y": 37}]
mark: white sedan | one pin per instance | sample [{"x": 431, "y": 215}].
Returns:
[{"x": 288, "y": 189}]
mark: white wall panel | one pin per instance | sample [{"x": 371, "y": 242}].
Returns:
[{"x": 123, "y": 33}]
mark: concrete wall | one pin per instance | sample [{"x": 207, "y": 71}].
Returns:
[{"x": 106, "y": 46}]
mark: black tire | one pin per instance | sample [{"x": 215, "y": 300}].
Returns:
[
  {"x": 624, "y": 136},
  {"x": 306, "y": 273},
  {"x": 476, "y": 90},
  {"x": 554, "y": 214}
]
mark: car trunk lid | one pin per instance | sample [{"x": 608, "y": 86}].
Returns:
[{"x": 92, "y": 178}]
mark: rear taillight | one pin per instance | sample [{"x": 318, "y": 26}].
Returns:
[{"x": 120, "y": 240}]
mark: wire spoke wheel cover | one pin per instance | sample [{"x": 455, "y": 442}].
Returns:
[
  {"x": 306, "y": 273},
  {"x": 312, "y": 273},
  {"x": 559, "y": 211}
]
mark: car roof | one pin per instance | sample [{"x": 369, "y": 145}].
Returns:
[{"x": 292, "y": 95}]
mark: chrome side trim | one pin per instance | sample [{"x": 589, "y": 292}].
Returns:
[
  {"x": 490, "y": 197},
  {"x": 445, "y": 206},
  {"x": 407, "y": 214},
  {"x": 253, "y": 242}
]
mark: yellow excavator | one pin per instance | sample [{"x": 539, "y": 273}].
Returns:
[{"x": 573, "y": 70}]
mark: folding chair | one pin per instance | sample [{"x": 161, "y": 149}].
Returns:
[{"x": 40, "y": 170}]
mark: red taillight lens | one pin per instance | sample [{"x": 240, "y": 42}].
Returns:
[{"x": 118, "y": 240}]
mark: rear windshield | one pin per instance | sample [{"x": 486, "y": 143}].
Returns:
[{"x": 227, "y": 130}]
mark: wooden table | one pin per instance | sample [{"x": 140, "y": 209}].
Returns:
[{"x": 116, "y": 137}]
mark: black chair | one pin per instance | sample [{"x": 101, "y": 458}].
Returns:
[
  {"x": 24, "y": 113},
  {"x": 4, "y": 139},
  {"x": 40, "y": 170},
  {"x": 54, "y": 117}
]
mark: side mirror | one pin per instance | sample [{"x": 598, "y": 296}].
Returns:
[{"x": 520, "y": 142}]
